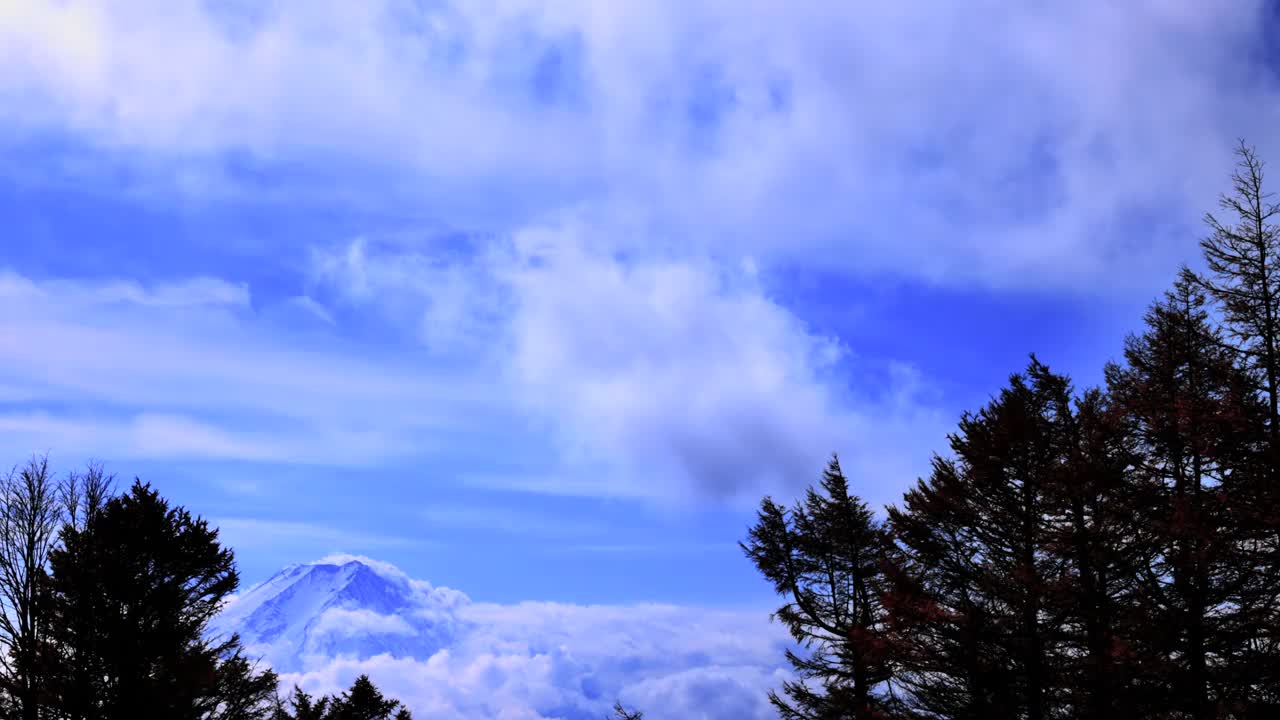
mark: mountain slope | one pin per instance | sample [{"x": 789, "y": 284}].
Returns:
[{"x": 341, "y": 607}]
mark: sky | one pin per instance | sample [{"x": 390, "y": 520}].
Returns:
[{"x": 537, "y": 300}]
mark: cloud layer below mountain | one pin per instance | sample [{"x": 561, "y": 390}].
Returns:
[{"x": 455, "y": 658}]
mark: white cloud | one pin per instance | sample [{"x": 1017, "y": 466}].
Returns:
[
  {"x": 669, "y": 366},
  {"x": 200, "y": 291},
  {"x": 507, "y": 520},
  {"x": 697, "y": 147},
  {"x": 996, "y": 143},
  {"x": 678, "y": 548},
  {"x": 720, "y": 692},
  {"x": 312, "y": 308},
  {"x": 144, "y": 435},
  {"x": 664, "y": 377},
  {"x": 447, "y": 656},
  {"x": 545, "y": 660},
  {"x": 448, "y": 299},
  {"x": 250, "y": 534},
  {"x": 348, "y": 622},
  {"x": 189, "y": 370}
]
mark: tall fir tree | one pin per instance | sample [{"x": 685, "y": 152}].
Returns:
[
  {"x": 131, "y": 591},
  {"x": 1194, "y": 424},
  {"x": 301, "y": 706},
  {"x": 975, "y": 564},
  {"x": 363, "y": 701},
  {"x": 1115, "y": 554},
  {"x": 1242, "y": 256},
  {"x": 825, "y": 557},
  {"x": 1243, "y": 259},
  {"x": 1091, "y": 505}
]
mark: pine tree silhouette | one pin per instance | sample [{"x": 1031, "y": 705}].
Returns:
[
  {"x": 975, "y": 563},
  {"x": 362, "y": 701},
  {"x": 825, "y": 556},
  {"x": 130, "y": 594}
]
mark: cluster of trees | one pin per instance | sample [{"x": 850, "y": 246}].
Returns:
[
  {"x": 105, "y": 601},
  {"x": 1108, "y": 553},
  {"x": 362, "y": 702}
]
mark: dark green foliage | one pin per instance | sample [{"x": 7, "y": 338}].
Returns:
[
  {"x": 621, "y": 713},
  {"x": 1195, "y": 427},
  {"x": 975, "y": 565},
  {"x": 107, "y": 601},
  {"x": 301, "y": 707},
  {"x": 240, "y": 691},
  {"x": 363, "y": 701},
  {"x": 1094, "y": 533},
  {"x": 1075, "y": 557},
  {"x": 1243, "y": 259},
  {"x": 130, "y": 593},
  {"x": 1110, "y": 554},
  {"x": 825, "y": 557}
]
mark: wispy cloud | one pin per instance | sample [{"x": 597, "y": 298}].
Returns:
[
  {"x": 669, "y": 377},
  {"x": 312, "y": 308},
  {"x": 870, "y": 138},
  {"x": 146, "y": 435},
  {"x": 250, "y": 534},
  {"x": 721, "y": 549},
  {"x": 188, "y": 370},
  {"x": 508, "y": 521},
  {"x": 663, "y": 379},
  {"x": 635, "y": 182},
  {"x": 190, "y": 293}
]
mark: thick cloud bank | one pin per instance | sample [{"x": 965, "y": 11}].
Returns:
[
  {"x": 322, "y": 624},
  {"x": 868, "y": 136}
]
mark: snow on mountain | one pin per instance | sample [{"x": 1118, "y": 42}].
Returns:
[
  {"x": 321, "y": 624},
  {"x": 341, "y": 606}
]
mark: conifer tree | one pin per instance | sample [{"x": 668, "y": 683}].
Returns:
[
  {"x": 130, "y": 593},
  {"x": 1194, "y": 423},
  {"x": 1243, "y": 259},
  {"x": 302, "y": 707},
  {"x": 240, "y": 691},
  {"x": 1092, "y": 506},
  {"x": 364, "y": 702},
  {"x": 975, "y": 565},
  {"x": 825, "y": 558},
  {"x": 71, "y": 663},
  {"x": 1115, "y": 554},
  {"x": 621, "y": 713}
]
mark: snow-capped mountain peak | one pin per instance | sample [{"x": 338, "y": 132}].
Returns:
[
  {"x": 320, "y": 624},
  {"x": 340, "y": 606}
]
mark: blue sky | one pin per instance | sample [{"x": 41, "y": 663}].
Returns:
[{"x": 537, "y": 299}]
